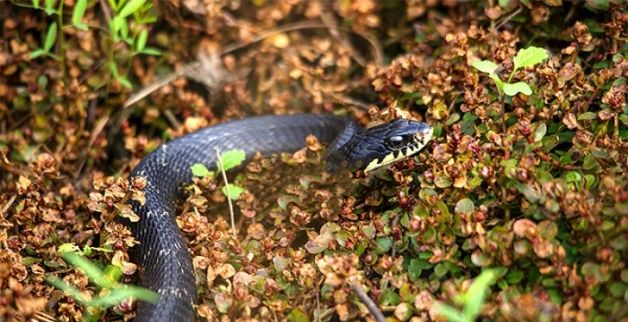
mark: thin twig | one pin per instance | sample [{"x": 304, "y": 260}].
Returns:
[
  {"x": 506, "y": 19},
  {"x": 7, "y": 205},
  {"x": 224, "y": 178},
  {"x": 370, "y": 305},
  {"x": 42, "y": 316}
]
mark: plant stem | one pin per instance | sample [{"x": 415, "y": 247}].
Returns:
[
  {"x": 224, "y": 178},
  {"x": 61, "y": 41},
  {"x": 511, "y": 74}
]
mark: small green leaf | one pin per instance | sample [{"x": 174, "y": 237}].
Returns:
[
  {"x": 477, "y": 292},
  {"x": 114, "y": 5},
  {"x": 232, "y": 159},
  {"x": 78, "y": 13},
  {"x": 540, "y": 132},
  {"x": 414, "y": 269},
  {"x": 37, "y": 52},
  {"x": 68, "y": 247},
  {"x": 124, "y": 31},
  {"x": 49, "y": 7},
  {"x": 151, "y": 51},
  {"x": 464, "y": 205},
  {"x": 485, "y": 66},
  {"x": 131, "y": 7},
  {"x": 51, "y": 36},
  {"x": 124, "y": 81},
  {"x": 35, "y": 4},
  {"x": 598, "y": 4},
  {"x": 514, "y": 277},
  {"x": 518, "y": 87},
  {"x": 200, "y": 170},
  {"x": 451, "y": 313},
  {"x": 440, "y": 269},
  {"x": 587, "y": 116},
  {"x": 504, "y": 3},
  {"x": 297, "y": 315},
  {"x": 140, "y": 44},
  {"x": 234, "y": 191},
  {"x": 117, "y": 24},
  {"x": 383, "y": 245},
  {"x": 529, "y": 57}
]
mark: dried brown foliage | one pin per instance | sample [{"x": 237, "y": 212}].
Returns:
[{"x": 534, "y": 186}]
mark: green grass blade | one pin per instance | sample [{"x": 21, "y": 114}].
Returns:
[
  {"x": 123, "y": 293},
  {"x": 477, "y": 293},
  {"x": 92, "y": 271}
]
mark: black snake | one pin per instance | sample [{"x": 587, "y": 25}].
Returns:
[{"x": 165, "y": 263}]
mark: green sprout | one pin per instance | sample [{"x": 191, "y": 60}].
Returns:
[
  {"x": 471, "y": 300},
  {"x": 226, "y": 161},
  {"x": 111, "y": 292},
  {"x": 524, "y": 58},
  {"x": 141, "y": 11}
]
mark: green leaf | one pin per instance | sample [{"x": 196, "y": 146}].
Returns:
[
  {"x": 124, "y": 81},
  {"x": 114, "y": 5},
  {"x": 414, "y": 269},
  {"x": 464, "y": 205},
  {"x": 485, "y": 66},
  {"x": 49, "y": 7},
  {"x": 529, "y": 57},
  {"x": 140, "y": 44},
  {"x": 68, "y": 247},
  {"x": 598, "y": 4},
  {"x": 78, "y": 13},
  {"x": 151, "y": 51},
  {"x": 440, "y": 269},
  {"x": 231, "y": 159},
  {"x": 234, "y": 191},
  {"x": 51, "y": 36},
  {"x": 540, "y": 132},
  {"x": 514, "y": 276},
  {"x": 37, "y": 52},
  {"x": 477, "y": 292},
  {"x": 297, "y": 315},
  {"x": 503, "y": 3},
  {"x": 389, "y": 297},
  {"x": 131, "y": 7},
  {"x": 518, "y": 87},
  {"x": 451, "y": 313},
  {"x": 200, "y": 170},
  {"x": 117, "y": 24},
  {"x": 35, "y": 4},
  {"x": 124, "y": 31},
  {"x": 383, "y": 245},
  {"x": 587, "y": 116}
]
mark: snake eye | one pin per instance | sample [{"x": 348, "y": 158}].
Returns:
[{"x": 395, "y": 141}]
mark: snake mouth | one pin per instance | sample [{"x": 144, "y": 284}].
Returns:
[{"x": 418, "y": 141}]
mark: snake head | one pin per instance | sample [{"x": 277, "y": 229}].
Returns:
[{"x": 381, "y": 145}]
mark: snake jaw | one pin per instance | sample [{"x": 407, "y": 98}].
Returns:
[{"x": 417, "y": 143}]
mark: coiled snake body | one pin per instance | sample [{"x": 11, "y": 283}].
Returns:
[{"x": 165, "y": 263}]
